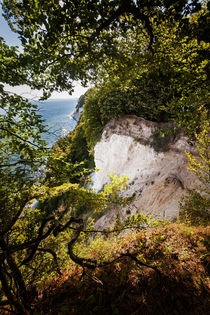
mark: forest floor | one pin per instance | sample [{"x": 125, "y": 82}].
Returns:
[{"x": 181, "y": 254}]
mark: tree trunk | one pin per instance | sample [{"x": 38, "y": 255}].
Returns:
[
  {"x": 10, "y": 296},
  {"x": 21, "y": 303}
]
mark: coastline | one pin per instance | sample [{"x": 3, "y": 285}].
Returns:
[{"x": 76, "y": 115}]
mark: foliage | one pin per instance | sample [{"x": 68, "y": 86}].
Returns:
[
  {"x": 105, "y": 102},
  {"x": 30, "y": 238},
  {"x": 165, "y": 86},
  {"x": 40, "y": 231},
  {"x": 25, "y": 255},
  {"x": 22, "y": 153},
  {"x": 71, "y": 150},
  {"x": 13, "y": 69},
  {"x": 201, "y": 165},
  {"x": 22, "y": 150},
  {"x": 194, "y": 208},
  {"x": 62, "y": 33},
  {"x": 80, "y": 102},
  {"x": 91, "y": 118}
]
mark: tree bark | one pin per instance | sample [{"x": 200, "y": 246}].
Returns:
[
  {"x": 21, "y": 305},
  {"x": 11, "y": 297}
]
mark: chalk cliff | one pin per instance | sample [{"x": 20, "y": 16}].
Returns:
[{"x": 154, "y": 161}]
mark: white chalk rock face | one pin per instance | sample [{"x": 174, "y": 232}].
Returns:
[
  {"x": 124, "y": 156},
  {"x": 155, "y": 164}
]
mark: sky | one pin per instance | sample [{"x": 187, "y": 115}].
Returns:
[{"x": 12, "y": 39}]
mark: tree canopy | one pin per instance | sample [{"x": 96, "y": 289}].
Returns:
[
  {"x": 70, "y": 40},
  {"x": 160, "y": 46}
]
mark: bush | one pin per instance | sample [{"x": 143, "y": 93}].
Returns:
[{"x": 194, "y": 208}]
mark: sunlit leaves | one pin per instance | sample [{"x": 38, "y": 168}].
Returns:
[
  {"x": 201, "y": 164},
  {"x": 78, "y": 39},
  {"x": 22, "y": 150}
]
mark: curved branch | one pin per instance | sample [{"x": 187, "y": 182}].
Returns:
[
  {"x": 60, "y": 228},
  {"x": 145, "y": 20},
  {"x": 106, "y": 23},
  {"x": 33, "y": 252},
  {"x": 50, "y": 251},
  {"x": 17, "y": 215},
  {"x": 84, "y": 262},
  {"x": 126, "y": 6},
  {"x": 92, "y": 263},
  {"x": 12, "y": 299},
  {"x": 41, "y": 236}
]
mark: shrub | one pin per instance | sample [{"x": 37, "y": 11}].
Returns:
[{"x": 194, "y": 208}]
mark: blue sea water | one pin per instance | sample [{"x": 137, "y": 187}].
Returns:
[{"x": 57, "y": 116}]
